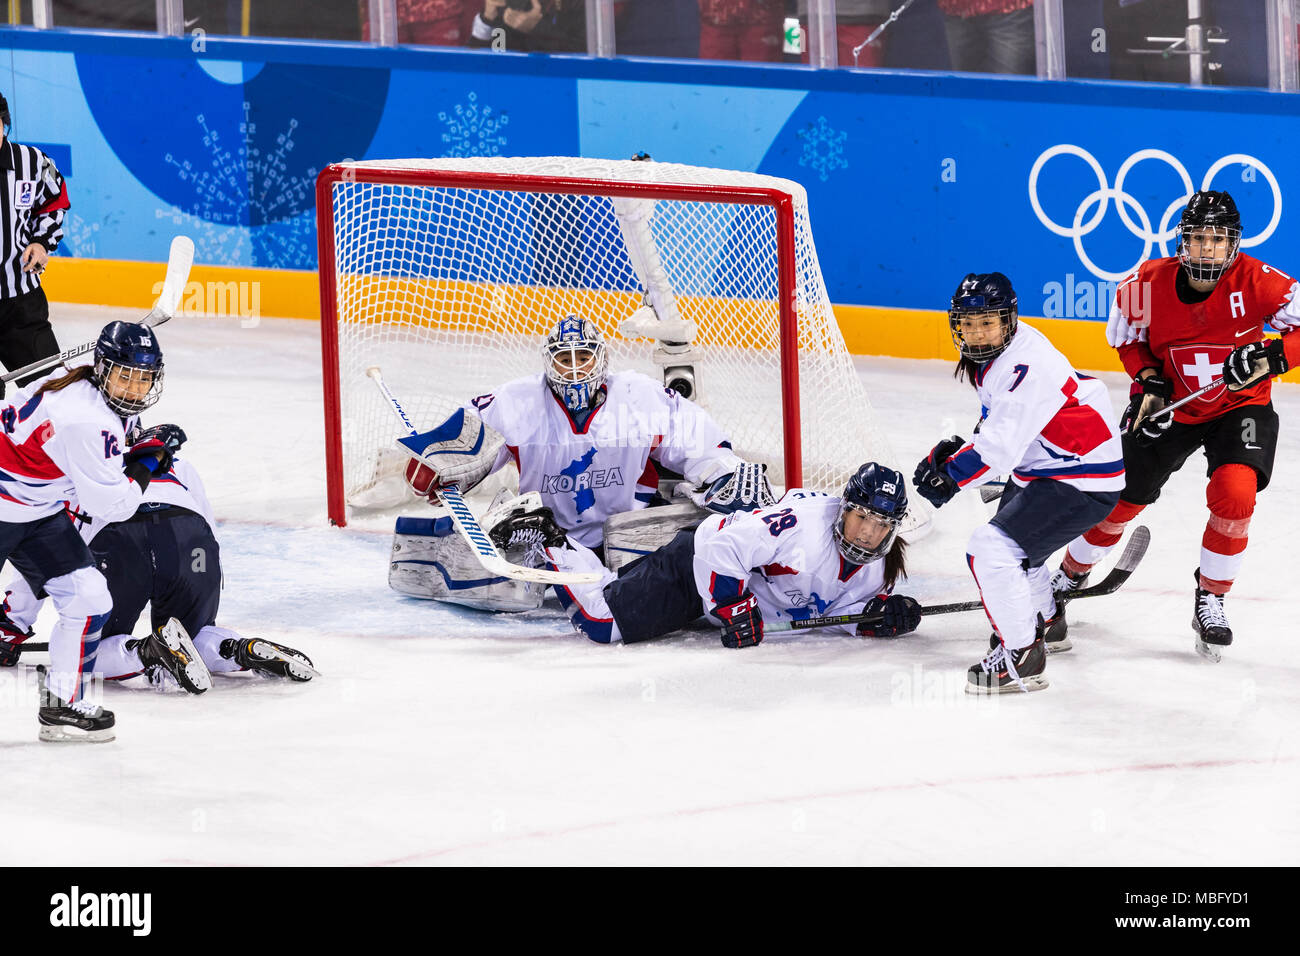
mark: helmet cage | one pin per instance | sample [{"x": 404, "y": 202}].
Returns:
[
  {"x": 1200, "y": 269},
  {"x": 860, "y": 553},
  {"x": 119, "y": 376},
  {"x": 969, "y": 305},
  {"x": 576, "y": 362}
]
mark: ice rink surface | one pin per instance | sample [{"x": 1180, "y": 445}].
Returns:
[{"x": 442, "y": 736}]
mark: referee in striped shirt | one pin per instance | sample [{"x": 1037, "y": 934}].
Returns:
[{"x": 33, "y": 202}]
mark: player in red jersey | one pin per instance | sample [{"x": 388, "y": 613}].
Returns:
[{"x": 1179, "y": 324}]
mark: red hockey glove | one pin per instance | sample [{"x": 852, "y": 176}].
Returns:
[{"x": 742, "y": 622}]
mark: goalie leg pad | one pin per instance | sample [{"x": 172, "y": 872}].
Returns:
[
  {"x": 430, "y": 560},
  {"x": 632, "y": 535}
]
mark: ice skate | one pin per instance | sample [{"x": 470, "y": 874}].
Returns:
[
  {"x": 11, "y": 638},
  {"x": 169, "y": 650},
  {"x": 79, "y": 722},
  {"x": 268, "y": 658},
  {"x": 1003, "y": 671},
  {"x": 1210, "y": 623},
  {"x": 1056, "y": 629}
]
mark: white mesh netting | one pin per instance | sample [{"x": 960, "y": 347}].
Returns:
[{"x": 451, "y": 290}]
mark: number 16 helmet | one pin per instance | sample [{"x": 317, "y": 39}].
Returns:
[
  {"x": 128, "y": 367},
  {"x": 879, "y": 496},
  {"x": 576, "y": 361}
]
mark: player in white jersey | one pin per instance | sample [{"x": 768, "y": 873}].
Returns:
[
  {"x": 1052, "y": 430},
  {"x": 808, "y": 555},
  {"x": 589, "y": 441},
  {"x": 165, "y": 555},
  {"x": 59, "y": 438}
]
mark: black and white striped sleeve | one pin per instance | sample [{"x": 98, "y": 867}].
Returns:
[{"x": 51, "y": 205}]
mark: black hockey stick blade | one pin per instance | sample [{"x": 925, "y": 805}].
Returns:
[
  {"x": 36, "y": 646},
  {"x": 1128, "y": 560},
  {"x": 992, "y": 491}
]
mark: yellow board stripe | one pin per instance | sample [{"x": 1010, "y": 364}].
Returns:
[{"x": 868, "y": 330}]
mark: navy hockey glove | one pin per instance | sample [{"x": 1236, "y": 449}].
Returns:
[
  {"x": 145, "y": 460},
  {"x": 1146, "y": 397},
  {"x": 1247, "y": 364},
  {"x": 742, "y": 621},
  {"x": 932, "y": 479},
  {"x": 899, "y": 615},
  {"x": 173, "y": 436}
]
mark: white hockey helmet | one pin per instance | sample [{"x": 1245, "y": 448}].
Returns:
[{"x": 576, "y": 361}]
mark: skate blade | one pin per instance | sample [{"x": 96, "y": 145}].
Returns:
[
  {"x": 56, "y": 734},
  {"x": 984, "y": 688},
  {"x": 1057, "y": 647},
  {"x": 176, "y": 638},
  {"x": 1209, "y": 651},
  {"x": 299, "y": 670}
]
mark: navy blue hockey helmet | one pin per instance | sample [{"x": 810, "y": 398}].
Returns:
[
  {"x": 879, "y": 495},
  {"x": 1210, "y": 220},
  {"x": 128, "y": 367},
  {"x": 987, "y": 296}
]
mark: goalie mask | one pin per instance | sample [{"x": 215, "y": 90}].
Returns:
[
  {"x": 1209, "y": 235},
  {"x": 576, "y": 361},
  {"x": 128, "y": 367},
  {"x": 872, "y": 508},
  {"x": 982, "y": 316}
]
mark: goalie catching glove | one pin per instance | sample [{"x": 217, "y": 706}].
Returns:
[
  {"x": 1247, "y": 364},
  {"x": 898, "y": 615},
  {"x": 745, "y": 489},
  {"x": 461, "y": 451}
]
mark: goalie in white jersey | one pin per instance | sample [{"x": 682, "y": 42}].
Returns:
[
  {"x": 589, "y": 441},
  {"x": 808, "y": 555},
  {"x": 1053, "y": 431},
  {"x": 167, "y": 556}
]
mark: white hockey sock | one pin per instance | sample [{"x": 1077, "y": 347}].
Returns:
[
  {"x": 1040, "y": 591},
  {"x": 114, "y": 661},
  {"x": 23, "y": 604},
  {"x": 208, "y": 643},
  {"x": 997, "y": 564},
  {"x": 83, "y": 603},
  {"x": 585, "y": 603}
]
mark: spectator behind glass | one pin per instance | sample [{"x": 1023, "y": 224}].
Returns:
[
  {"x": 742, "y": 29},
  {"x": 854, "y": 21},
  {"x": 428, "y": 22},
  {"x": 990, "y": 36},
  {"x": 544, "y": 26}
]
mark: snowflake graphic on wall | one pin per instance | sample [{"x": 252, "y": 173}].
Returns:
[
  {"x": 823, "y": 148},
  {"x": 79, "y": 235},
  {"x": 244, "y": 183},
  {"x": 473, "y": 130}
]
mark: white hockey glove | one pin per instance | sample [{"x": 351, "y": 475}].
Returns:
[
  {"x": 745, "y": 489},
  {"x": 461, "y": 451}
]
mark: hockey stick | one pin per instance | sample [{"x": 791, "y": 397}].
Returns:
[
  {"x": 1133, "y": 553},
  {"x": 179, "y": 261},
  {"x": 1169, "y": 409},
  {"x": 463, "y": 518},
  {"x": 992, "y": 491}
]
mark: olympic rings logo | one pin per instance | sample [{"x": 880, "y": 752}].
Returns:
[{"x": 1101, "y": 197}]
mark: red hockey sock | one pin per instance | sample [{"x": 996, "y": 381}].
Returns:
[
  {"x": 1231, "y": 499},
  {"x": 1102, "y": 536}
]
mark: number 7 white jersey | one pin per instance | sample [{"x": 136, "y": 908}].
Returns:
[
  {"x": 1041, "y": 420},
  {"x": 787, "y": 557}
]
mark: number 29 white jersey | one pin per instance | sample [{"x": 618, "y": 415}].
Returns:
[{"x": 787, "y": 557}]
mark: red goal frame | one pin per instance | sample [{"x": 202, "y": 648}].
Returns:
[{"x": 782, "y": 204}]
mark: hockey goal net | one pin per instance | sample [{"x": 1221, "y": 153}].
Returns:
[{"x": 448, "y": 273}]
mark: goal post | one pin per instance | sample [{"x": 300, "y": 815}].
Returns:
[{"x": 448, "y": 273}]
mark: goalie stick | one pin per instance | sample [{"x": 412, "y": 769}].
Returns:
[
  {"x": 179, "y": 260},
  {"x": 1133, "y": 553},
  {"x": 463, "y": 518}
]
